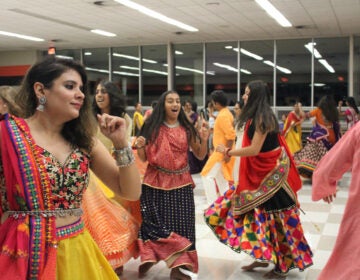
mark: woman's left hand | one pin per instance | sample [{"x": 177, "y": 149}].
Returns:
[
  {"x": 330, "y": 198},
  {"x": 114, "y": 128}
]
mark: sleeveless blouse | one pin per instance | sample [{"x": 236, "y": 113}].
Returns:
[{"x": 68, "y": 180}]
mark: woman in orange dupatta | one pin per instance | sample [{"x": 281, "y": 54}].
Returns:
[{"x": 260, "y": 216}]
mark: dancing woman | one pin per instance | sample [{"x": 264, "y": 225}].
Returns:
[{"x": 260, "y": 215}]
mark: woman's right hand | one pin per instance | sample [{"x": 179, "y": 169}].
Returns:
[{"x": 140, "y": 142}]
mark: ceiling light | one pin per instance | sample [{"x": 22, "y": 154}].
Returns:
[
  {"x": 25, "y": 37},
  {"x": 126, "y": 74},
  {"x": 230, "y": 68},
  {"x": 282, "y": 69},
  {"x": 274, "y": 13},
  {"x": 250, "y": 54},
  {"x": 144, "y": 70},
  {"x": 103, "y": 33},
  {"x": 327, "y": 65},
  {"x": 64, "y": 56},
  {"x": 228, "y": 47},
  {"x": 257, "y": 57},
  {"x": 186, "y": 69},
  {"x": 156, "y": 15},
  {"x": 134, "y": 58},
  {"x": 179, "y": 52},
  {"x": 87, "y": 53},
  {"x": 311, "y": 48}
]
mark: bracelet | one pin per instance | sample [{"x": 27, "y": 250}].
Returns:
[
  {"x": 227, "y": 152},
  {"x": 124, "y": 157}
]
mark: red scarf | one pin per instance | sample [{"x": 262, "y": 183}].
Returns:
[
  {"x": 255, "y": 168},
  {"x": 26, "y": 243}
]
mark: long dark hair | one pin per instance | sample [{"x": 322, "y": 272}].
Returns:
[
  {"x": 351, "y": 101},
  {"x": 117, "y": 99},
  {"x": 151, "y": 127},
  {"x": 328, "y": 108},
  {"x": 258, "y": 108},
  {"x": 78, "y": 132}
]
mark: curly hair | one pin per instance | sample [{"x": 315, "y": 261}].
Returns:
[
  {"x": 117, "y": 99},
  {"x": 8, "y": 94}
]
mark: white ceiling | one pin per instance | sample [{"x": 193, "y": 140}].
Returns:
[{"x": 68, "y": 22}]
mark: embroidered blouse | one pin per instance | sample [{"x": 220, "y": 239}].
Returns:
[{"x": 68, "y": 181}]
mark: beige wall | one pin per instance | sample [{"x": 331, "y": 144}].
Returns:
[{"x": 11, "y": 58}]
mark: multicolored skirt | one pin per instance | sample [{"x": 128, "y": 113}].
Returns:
[
  {"x": 271, "y": 232},
  {"x": 167, "y": 232},
  {"x": 78, "y": 256},
  {"x": 307, "y": 158}
]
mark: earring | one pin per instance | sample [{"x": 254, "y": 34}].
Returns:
[{"x": 42, "y": 101}]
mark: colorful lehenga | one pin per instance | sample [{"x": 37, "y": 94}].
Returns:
[
  {"x": 260, "y": 216},
  {"x": 34, "y": 189},
  {"x": 323, "y": 136},
  {"x": 167, "y": 232},
  {"x": 292, "y": 132}
]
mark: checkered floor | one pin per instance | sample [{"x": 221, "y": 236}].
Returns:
[{"x": 217, "y": 262}]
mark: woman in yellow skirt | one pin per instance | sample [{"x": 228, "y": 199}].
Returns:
[{"x": 45, "y": 161}]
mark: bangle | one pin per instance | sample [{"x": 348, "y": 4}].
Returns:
[
  {"x": 124, "y": 157},
  {"x": 227, "y": 152}
]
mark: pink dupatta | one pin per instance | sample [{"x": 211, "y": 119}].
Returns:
[{"x": 27, "y": 242}]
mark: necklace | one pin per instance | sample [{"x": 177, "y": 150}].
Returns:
[{"x": 171, "y": 125}]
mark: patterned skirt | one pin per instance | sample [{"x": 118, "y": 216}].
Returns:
[
  {"x": 307, "y": 158},
  {"x": 113, "y": 228},
  {"x": 167, "y": 232},
  {"x": 271, "y": 232}
]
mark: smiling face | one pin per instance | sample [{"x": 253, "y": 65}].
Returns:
[
  {"x": 102, "y": 99},
  {"x": 65, "y": 97},
  {"x": 172, "y": 107}
]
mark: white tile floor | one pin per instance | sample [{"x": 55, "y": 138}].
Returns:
[{"x": 218, "y": 262}]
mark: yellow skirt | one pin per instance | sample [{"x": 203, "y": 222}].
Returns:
[{"x": 80, "y": 258}]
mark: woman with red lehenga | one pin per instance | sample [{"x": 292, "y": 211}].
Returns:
[
  {"x": 260, "y": 216},
  {"x": 167, "y": 232}
]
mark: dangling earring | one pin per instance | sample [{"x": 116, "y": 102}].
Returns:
[{"x": 42, "y": 101}]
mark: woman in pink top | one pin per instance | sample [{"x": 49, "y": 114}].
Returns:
[
  {"x": 167, "y": 232},
  {"x": 344, "y": 262}
]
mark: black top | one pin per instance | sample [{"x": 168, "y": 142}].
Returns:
[{"x": 271, "y": 141}]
